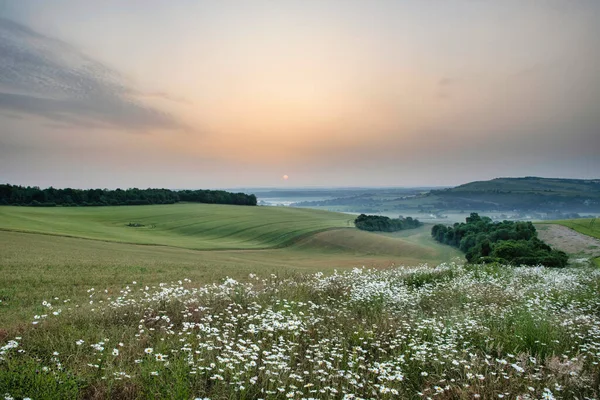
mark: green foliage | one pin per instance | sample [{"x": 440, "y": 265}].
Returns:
[
  {"x": 480, "y": 330},
  {"x": 378, "y": 223},
  {"x": 504, "y": 242},
  {"x": 51, "y": 197},
  {"x": 27, "y": 378}
]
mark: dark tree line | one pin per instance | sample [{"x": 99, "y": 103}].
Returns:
[
  {"x": 50, "y": 197},
  {"x": 385, "y": 224},
  {"x": 505, "y": 242}
]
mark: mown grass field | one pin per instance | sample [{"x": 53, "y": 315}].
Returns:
[
  {"x": 40, "y": 266},
  {"x": 587, "y": 226}
]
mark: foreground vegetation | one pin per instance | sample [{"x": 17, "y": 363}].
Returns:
[
  {"x": 453, "y": 331},
  {"x": 378, "y": 223},
  {"x": 51, "y": 197},
  {"x": 508, "y": 242},
  {"x": 35, "y": 267}
]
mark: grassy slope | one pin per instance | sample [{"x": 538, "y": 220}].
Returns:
[
  {"x": 532, "y": 185},
  {"x": 587, "y": 226},
  {"x": 523, "y": 193},
  {"x": 192, "y": 226},
  {"x": 40, "y": 266}
]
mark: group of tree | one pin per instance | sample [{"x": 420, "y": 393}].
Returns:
[
  {"x": 506, "y": 242},
  {"x": 385, "y": 224},
  {"x": 50, "y": 197}
]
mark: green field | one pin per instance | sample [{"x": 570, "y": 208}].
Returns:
[
  {"x": 48, "y": 252},
  {"x": 587, "y": 226},
  {"x": 191, "y": 226},
  {"x": 85, "y": 317}
]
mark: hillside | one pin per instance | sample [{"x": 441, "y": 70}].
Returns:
[
  {"x": 505, "y": 198},
  {"x": 48, "y": 252},
  {"x": 578, "y": 237},
  {"x": 586, "y": 226},
  {"x": 192, "y": 226},
  {"x": 526, "y": 194}
]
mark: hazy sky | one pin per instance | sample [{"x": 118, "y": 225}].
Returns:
[{"x": 331, "y": 93}]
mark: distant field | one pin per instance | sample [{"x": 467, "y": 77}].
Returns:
[
  {"x": 192, "y": 226},
  {"x": 37, "y": 266},
  {"x": 587, "y": 226},
  {"x": 583, "y": 246}
]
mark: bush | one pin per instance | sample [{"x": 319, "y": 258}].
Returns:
[
  {"x": 505, "y": 242},
  {"x": 378, "y": 223}
]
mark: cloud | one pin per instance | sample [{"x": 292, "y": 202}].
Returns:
[
  {"x": 167, "y": 96},
  {"x": 45, "y": 77},
  {"x": 447, "y": 81}
]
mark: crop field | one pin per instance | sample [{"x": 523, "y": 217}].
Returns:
[
  {"x": 192, "y": 226},
  {"x": 450, "y": 332},
  {"x": 587, "y": 246},
  {"x": 39, "y": 266},
  {"x": 587, "y": 226}
]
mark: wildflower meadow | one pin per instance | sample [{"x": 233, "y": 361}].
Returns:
[{"x": 447, "y": 332}]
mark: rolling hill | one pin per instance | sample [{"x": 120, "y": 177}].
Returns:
[
  {"x": 526, "y": 194},
  {"x": 48, "y": 252},
  {"x": 192, "y": 226},
  {"x": 550, "y": 198}
]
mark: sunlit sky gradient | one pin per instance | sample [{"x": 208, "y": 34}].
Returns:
[{"x": 191, "y": 94}]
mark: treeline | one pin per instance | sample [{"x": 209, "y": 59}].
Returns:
[
  {"x": 51, "y": 197},
  {"x": 506, "y": 242},
  {"x": 385, "y": 224}
]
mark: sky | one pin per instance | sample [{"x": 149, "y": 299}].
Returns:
[{"x": 225, "y": 94}]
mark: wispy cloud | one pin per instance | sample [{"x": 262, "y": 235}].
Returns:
[
  {"x": 169, "y": 97},
  {"x": 45, "y": 77}
]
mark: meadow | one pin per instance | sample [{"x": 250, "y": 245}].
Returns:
[
  {"x": 139, "y": 312},
  {"x": 448, "y": 332},
  {"x": 38, "y": 260}
]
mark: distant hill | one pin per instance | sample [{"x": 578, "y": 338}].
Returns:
[
  {"x": 508, "y": 198},
  {"x": 526, "y": 194}
]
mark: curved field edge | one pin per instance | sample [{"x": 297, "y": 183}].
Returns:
[
  {"x": 579, "y": 238},
  {"x": 192, "y": 226},
  {"x": 586, "y": 226},
  {"x": 38, "y": 266}
]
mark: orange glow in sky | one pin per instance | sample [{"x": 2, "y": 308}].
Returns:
[{"x": 358, "y": 93}]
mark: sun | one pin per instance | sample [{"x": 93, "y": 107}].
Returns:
[{"x": 285, "y": 177}]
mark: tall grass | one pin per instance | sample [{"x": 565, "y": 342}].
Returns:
[{"x": 450, "y": 332}]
